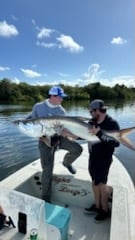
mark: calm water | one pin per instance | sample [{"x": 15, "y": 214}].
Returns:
[{"x": 17, "y": 150}]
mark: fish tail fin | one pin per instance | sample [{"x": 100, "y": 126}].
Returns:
[{"x": 125, "y": 140}]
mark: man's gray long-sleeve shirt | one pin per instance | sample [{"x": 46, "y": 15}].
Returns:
[{"x": 46, "y": 109}]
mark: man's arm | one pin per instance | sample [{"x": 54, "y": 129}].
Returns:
[
  {"x": 33, "y": 113},
  {"x": 104, "y": 137}
]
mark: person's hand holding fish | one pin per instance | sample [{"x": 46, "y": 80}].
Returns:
[
  {"x": 94, "y": 130},
  {"x": 66, "y": 133}
]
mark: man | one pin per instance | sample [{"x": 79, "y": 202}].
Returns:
[
  {"x": 52, "y": 107},
  {"x": 100, "y": 157}
]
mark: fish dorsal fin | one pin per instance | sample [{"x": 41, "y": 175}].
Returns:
[{"x": 83, "y": 118}]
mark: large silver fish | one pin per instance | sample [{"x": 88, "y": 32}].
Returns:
[{"x": 49, "y": 126}]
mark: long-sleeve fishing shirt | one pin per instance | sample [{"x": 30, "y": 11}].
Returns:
[
  {"x": 46, "y": 109},
  {"x": 107, "y": 143}
]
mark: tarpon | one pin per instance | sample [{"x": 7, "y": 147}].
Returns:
[{"x": 49, "y": 126}]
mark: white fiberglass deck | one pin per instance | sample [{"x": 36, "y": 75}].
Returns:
[{"x": 74, "y": 191}]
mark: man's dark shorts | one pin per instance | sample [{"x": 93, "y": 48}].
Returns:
[{"x": 99, "y": 168}]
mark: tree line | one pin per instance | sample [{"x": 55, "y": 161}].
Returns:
[{"x": 23, "y": 92}]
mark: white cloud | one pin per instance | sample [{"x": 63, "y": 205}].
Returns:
[
  {"x": 30, "y": 73},
  {"x": 46, "y": 45},
  {"x": 45, "y": 33},
  {"x": 42, "y": 83},
  {"x": 16, "y": 80},
  {"x": 94, "y": 75},
  {"x": 128, "y": 81},
  {"x": 118, "y": 41},
  {"x": 7, "y": 30},
  {"x": 2, "y": 69},
  {"x": 69, "y": 43},
  {"x": 62, "y": 41},
  {"x": 66, "y": 42},
  {"x": 63, "y": 74}
]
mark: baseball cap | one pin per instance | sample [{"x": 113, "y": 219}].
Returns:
[
  {"x": 58, "y": 91},
  {"x": 97, "y": 104}
]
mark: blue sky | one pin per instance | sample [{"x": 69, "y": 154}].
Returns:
[{"x": 67, "y": 41}]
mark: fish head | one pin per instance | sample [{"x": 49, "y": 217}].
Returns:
[{"x": 30, "y": 128}]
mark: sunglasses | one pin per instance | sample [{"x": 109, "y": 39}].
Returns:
[
  {"x": 93, "y": 110},
  {"x": 57, "y": 96}
]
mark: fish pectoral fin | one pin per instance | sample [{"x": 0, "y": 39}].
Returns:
[{"x": 126, "y": 142}]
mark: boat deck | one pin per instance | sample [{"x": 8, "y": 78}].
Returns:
[
  {"x": 75, "y": 192},
  {"x": 86, "y": 228}
]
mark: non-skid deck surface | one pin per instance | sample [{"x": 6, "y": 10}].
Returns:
[{"x": 83, "y": 227}]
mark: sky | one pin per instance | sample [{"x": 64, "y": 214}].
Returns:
[{"x": 71, "y": 42}]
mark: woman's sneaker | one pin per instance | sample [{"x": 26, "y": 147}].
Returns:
[{"x": 92, "y": 210}]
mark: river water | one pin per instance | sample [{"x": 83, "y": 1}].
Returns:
[{"x": 17, "y": 150}]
